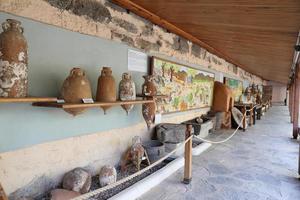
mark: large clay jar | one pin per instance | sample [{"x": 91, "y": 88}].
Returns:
[
  {"x": 13, "y": 60},
  {"x": 149, "y": 88},
  {"x": 106, "y": 90},
  {"x": 149, "y": 109},
  {"x": 127, "y": 91},
  {"x": 75, "y": 88}
]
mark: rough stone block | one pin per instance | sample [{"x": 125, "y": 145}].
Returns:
[
  {"x": 122, "y": 38},
  {"x": 196, "y": 50},
  {"x": 172, "y": 133},
  {"x": 92, "y": 9},
  {"x": 205, "y": 128},
  {"x": 107, "y": 175},
  {"x": 128, "y": 26},
  {"x": 180, "y": 44},
  {"x": 78, "y": 180},
  {"x": 148, "y": 46}
]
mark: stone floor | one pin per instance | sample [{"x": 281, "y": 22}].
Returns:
[{"x": 258, "y": 164}]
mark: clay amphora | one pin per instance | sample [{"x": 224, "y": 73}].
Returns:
[
  {"x": 106, "y": 90},
  {"x": 13, "y": 60},
  {"x": 149, "y": 109},
  {"x": 75, "y": 88},
  {"x": 149, "y": 87},
  {"x": 127, "y": 91}
]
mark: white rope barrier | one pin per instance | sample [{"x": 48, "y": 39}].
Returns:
[
  {"x": 225, "y": 140},
  {"x": 98, "y": 191}
]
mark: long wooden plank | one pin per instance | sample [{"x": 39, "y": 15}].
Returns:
[
  {"x": 27, "y": 99},
  {"x": 89, "y": 105},
  {"x": 222, "y": 3}
]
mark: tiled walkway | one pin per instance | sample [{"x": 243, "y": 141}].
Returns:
[{"x": 259, "y": 164}]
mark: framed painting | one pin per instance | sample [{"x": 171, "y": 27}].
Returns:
[
  {"x": 236, "y": 87},
  {"x": 186, "y": 87}
]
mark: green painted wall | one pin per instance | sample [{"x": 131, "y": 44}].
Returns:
[{"x": 53, "y": 52}]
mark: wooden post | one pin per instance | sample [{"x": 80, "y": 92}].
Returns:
[
  {"x": 244, "y": 119},
  {"x": 2, "y": 193},
  {"x": 188, "y": 156},
  {"x": 292, "y": 100},
  {"x": 251, "y": 114},
  {"x": 254, "y": 113},
  {"x": 296, "y": 102}
]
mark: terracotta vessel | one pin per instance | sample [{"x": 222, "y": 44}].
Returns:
[
  {"x": 127, "y": 91},
  {"x": 149, "y": 109},
  {"x": 137, "y": 152},
  {"x": 149, "y": 87},
  {"x": 75, "y": 88},
  {"x": 106, "y": 90},
  {"x": 13, "y": 60}
]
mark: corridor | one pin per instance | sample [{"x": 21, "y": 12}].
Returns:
[{"x": 259, "y": 164}]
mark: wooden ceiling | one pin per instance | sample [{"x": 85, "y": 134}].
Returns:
[{"x": 257, "y": 35}]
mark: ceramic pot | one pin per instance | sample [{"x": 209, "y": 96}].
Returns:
[
  {"x": 13, "y": 60},
  {"x": 149, "y": 109},
  {"x": 75, "y": 88},
  {"x": 149, "y": 87},
  {"x": 106, "y": 90},
  {"x": 127, "y": 91},
  {"x": 155, "y": 150},
  {"x": 137, "y": 152}
]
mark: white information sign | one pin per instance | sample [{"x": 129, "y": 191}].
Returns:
[{"x": 137, "y": 61}]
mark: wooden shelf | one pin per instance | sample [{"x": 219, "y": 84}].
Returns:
[
  {"x": 89, "y": 105},
  {"x": 160, "y": 96},
  {"x": 27, "y": 99}
]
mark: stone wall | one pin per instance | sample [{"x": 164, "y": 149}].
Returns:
[{"x": 106, "y": 20}]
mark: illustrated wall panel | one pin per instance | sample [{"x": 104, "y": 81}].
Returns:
[
  {"x": 186, "y": 87},
  {"x": 236, "y": 87}
]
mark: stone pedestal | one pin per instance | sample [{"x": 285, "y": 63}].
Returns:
[
  {"x": 172, "y": 133},
  {"x": 205, "y": 128}
]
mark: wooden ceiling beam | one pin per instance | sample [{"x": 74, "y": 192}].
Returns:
[
  {"x": 234, "y": 3},
  {"x": 243, "y": 26}
]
